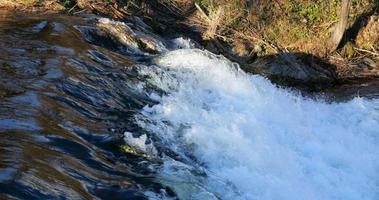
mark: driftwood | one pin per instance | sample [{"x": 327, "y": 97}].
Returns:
[{"x": 340, "y": 28}]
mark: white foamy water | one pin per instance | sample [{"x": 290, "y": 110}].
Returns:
[{"x": 252, "y": 140}]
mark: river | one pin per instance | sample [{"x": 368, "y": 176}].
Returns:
[{"x": 83, "y": 117}]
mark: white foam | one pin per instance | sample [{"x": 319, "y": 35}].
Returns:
[
  {"x": 261, "y": 141},
  {"x": 182, "y": 43},
  {"x": 140, "y": 143}
]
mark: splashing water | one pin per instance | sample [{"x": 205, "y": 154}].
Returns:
[{"x": 248, "y": 139}]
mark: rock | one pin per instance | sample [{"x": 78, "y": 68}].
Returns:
[
  {"x": 369, "y": 36},
  {"x": 150, "y": 43},
  {"x": 120, "y": 32},
  {"x": 294, "y": 67},
  {"x": 39, "y": 27},
  {"x": 141, "y": 24},
  {"x": 135, "y": 41}
]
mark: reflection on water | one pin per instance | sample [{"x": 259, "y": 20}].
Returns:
[{"x": 64, "y": 105}]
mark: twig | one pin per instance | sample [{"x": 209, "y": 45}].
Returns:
[
  {"x": 367, "y": 51},
  {"x": 174, "y": 5},
  {"x": 373, "y": 49},
  {"x": 337, "y": 58},
  {"x": 78, "y": 12},
  {"x": 71, "y": 9},
  {"x": 202, "y": 12},
  {"x": 223, "y": 37}
]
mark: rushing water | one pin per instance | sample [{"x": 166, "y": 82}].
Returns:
[{"x": 195, "y": 126}]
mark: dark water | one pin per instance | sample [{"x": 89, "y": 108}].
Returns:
[{"x": 64, "y": 105}]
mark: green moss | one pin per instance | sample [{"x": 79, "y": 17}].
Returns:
[
  {"x": 262, "y": 53},
  {"x": 132, "y": 151},
  {"x": 128, "y": 149}
]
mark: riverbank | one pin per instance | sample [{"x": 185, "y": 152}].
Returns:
[{"x": 284, "y": 41}]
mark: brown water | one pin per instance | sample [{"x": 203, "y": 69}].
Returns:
[{"x": 64, "y": 105}]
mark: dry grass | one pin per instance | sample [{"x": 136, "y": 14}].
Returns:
[
  {"x": 211, "y": 21},
  {"x": 32, "y": 6},
  {"x": 275, "y": 25}
]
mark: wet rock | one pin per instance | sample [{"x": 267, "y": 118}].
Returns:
[
  {"x": 120, "y": 32},
  {"x": 98, "y": 37},
  {"x": 140, "y": 23},
  {"x": 58, "y": 28},
  {"x": 368, "y": 37},
  {"x": 39, "y": 27},
  {"x": 150, "y": 43},
  {"x": 134, "y": 40}
]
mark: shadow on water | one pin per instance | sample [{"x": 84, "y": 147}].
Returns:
[{"x": 64, "y": 105}]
